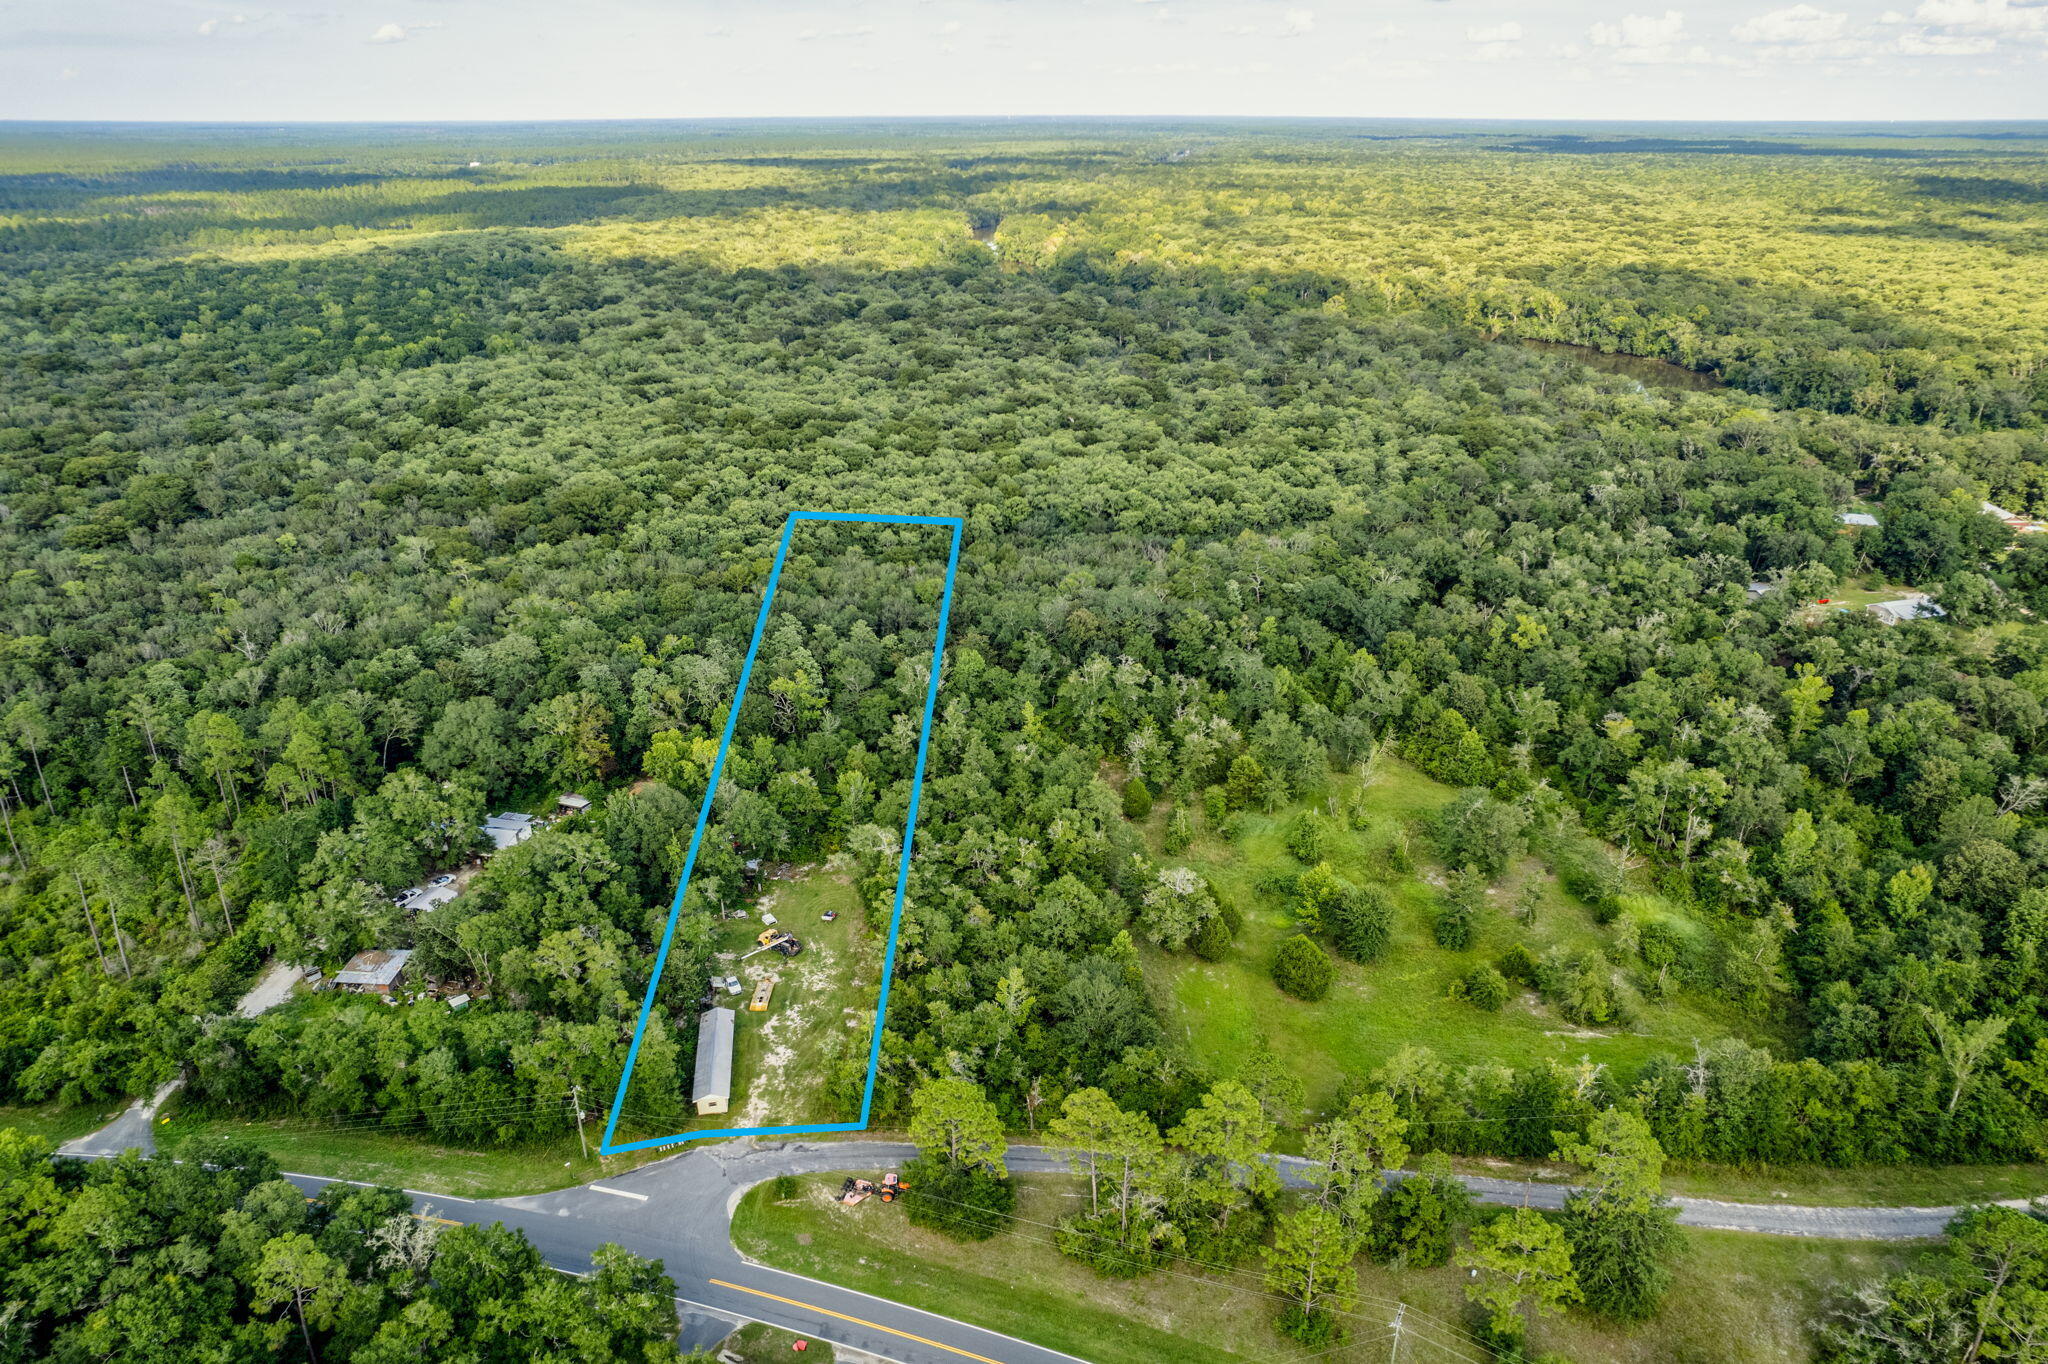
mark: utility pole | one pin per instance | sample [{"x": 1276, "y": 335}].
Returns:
[
  {"x": 1394, "y": 1354},
  {"x": 576, "y": 1097}
]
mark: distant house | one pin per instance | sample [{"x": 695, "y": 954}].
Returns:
[
  {"x": 1856, "y": 519},
  {"x": 373, "y": 972},
  {"x": 569, "y": 803},
  {"x": 508, "y": 830},
  {"x": 1756, "y": 590},
  {"x": 1914, "y": 606},
  {"x": 2019, "y": 525},
  {"x": 712, "y": 1090}
]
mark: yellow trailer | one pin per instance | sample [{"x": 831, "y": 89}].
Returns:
[{"x": 759, "y": 1003}]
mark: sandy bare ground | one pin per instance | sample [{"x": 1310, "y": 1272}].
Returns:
[{"x": 273, "y": 988}]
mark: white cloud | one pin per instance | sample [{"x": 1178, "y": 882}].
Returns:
[
  {"x": 213, "y": 26},
  {"x": 1297, "y": 22},
  {"x": 1944, "y": 45},
  {"x": 811, "y": 35},
  {"x": 1984, "y": 16},
  {"x": 1798, "y": 25},
  {"x": 1968, "y": 28},
  {"x": 390, "y": 33},
  {"x": 1648, "y": 40},
  {"x": 69, "y": 73},
  {"x": 1510, "y": 32}
]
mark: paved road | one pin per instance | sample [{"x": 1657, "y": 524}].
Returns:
[
  {"x": 679, "y": 1211},
  {"x": 134, "y": 1129}
]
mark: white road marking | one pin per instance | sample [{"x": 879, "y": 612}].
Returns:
[{"x": 617, "y": 1193}]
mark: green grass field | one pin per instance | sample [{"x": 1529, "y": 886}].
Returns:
[
  {"x": 58, "y": 1123},
  {"x": 412, "y": 1162},
  {"x": 756, "y": 1343},
  {"x": 1737, "y": 1300},
  {"x": 1224, "y": 1010}
]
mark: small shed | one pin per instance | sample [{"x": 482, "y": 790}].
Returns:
[
  {"x": 712, "y": 1089},
  {"x": 569, "y": 803},
  {"x": 373, "y": 972}
]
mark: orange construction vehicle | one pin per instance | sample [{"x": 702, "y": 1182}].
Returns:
[{"x": 857, "y": 1190}]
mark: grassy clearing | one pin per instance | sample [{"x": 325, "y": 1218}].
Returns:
[
  {"x": 58, "y": 1123},
  {"x": 821, "y": 1012},
  {"x": 1737, "y": 1300},
  {"x": 1224, "y": 1010},
  {"x": 755, "y": 1343},
  {"x": 413, "y": 1162}
]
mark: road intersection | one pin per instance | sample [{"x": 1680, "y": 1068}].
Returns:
[{"x": 679, "y": 1211}]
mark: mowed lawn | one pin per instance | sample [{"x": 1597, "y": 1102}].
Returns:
[
  {"x": 60, "y": 1123},
  {"x": 1736, "y": 1300},
  {"x": 1224, "y": 1010},
  {"x": 339, "y": 1151}
]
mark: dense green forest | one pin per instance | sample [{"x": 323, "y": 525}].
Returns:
[
  {"x": 218, "y": 1258},
  {"x": 353, "y": 491}
]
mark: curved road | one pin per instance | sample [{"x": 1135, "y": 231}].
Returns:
[{"x": 679, "y": 1210}]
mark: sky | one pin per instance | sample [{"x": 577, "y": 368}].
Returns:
[{"x": 437, "y": 60}]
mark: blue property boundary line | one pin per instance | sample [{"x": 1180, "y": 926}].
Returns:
[{"x": 675, "y": 909}]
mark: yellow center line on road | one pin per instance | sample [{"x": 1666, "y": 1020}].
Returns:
[{"x": 857, "y": 1321}]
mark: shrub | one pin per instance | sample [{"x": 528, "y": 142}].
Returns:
[
  {"x": 1101, "y": 1244},
  {"x": 1317, "y": 892},
  {"x": 1415, "y": 1223},
  {"x": 785, "y": 1187},
  {"x": 1180, "y": 831},
  {"x": 1226, "y": 905},
  {"x": 1483, "y": 988},
  {"x": 1519, "y": 964},
  {"x": 1137, "y": 799},
  {"x": 1474, "y": 829},
  {"x": 1362, "y": 922},
  {"x": 1212, "y": 940},
  {"x": 1306, "y": 838},
  {"x": 968, "y": 1205},
  {"x": 1278, "y": 882},
  {"x": 1215, "y": 805},
  {"x": 1454, "y": 922},
  {"x": 1303, "y": 969},
  {"x": 1400, "y": 860}
]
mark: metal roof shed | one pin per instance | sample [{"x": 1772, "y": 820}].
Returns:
[
  {"x": 373, "y": 970},
  {"x": 712, "y": 1090}
]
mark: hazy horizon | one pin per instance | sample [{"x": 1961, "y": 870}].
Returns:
[{"x": 411, "y": 61}]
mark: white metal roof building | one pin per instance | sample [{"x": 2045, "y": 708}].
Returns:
[
  {"x": 375, "y": 970},
  {"x": 1916, "y": 607},
  {"x": 712, "y": 1090},
  {"x": 508, "y": 830}
]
